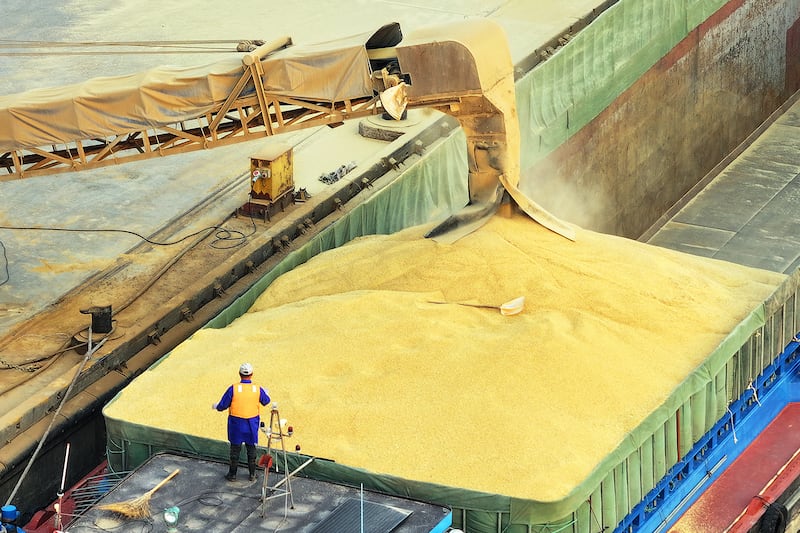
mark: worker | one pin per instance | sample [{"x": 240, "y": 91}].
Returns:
[{"x": 243, "y": 401}]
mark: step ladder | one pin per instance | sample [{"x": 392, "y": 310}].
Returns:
[{"x": 276, "y": 434}]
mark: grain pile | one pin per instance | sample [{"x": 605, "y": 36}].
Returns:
[{"x": 372, "y": 375}]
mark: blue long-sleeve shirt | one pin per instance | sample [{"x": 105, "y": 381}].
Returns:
[{"x": 242, "y": 430}]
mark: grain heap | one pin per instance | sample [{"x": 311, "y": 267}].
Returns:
[{"x": 374, "y": 376}]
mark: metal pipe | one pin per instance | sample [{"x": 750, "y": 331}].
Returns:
[
  {"x": 265, "y": 49},
  {"x": 64, "y": 472},
  {"x": 89, "y": 354}
]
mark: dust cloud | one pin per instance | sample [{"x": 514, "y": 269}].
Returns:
[{"x": 586, "y": 206}]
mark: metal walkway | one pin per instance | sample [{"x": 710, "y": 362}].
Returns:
[{"x": 747, "y": 210}]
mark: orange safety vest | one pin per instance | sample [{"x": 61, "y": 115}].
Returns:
[{"x": 246, "y": 400}]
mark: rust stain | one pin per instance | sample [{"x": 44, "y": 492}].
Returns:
[
  {"x": 691, "y": 41},
  {"x": 720, "y": 16},
  {"x": 792, "y": 53}
]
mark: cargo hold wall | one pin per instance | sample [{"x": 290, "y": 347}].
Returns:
[{"x": 626, "y": 117}]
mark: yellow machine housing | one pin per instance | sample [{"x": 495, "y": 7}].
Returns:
[{"x": 271, "y": 172}]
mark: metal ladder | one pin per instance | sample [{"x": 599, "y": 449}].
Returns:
[{"x": 275, "y": 433}]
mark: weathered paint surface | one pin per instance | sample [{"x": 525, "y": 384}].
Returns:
[{"x": 661, "y": 136}]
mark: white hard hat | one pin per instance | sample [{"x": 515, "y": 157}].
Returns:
[{"x": 246, "y": 369}]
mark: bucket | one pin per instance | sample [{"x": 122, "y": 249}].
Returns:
[{"x": 9, "y": 513}]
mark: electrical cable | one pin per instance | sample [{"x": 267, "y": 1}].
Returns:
[
  {"x": 206, "y": 499},
  {"x": 234, "y": 238},
  {"x": 31, "y": 366},
  {"x": 223, "y": 234},
  {"x": 5, "y": 264},
  {"x": 147, "y": 526}
]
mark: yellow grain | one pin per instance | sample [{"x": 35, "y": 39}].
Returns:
[{"x": 372, "y": 375}]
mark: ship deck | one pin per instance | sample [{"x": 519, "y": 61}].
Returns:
[
  {"x": 745, "y": 210},
  {"x": 209, "y": 503}
]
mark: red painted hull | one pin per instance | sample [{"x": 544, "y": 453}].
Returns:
[{"x": 44, "y": 521}]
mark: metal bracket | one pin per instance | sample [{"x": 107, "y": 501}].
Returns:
[
  {"x": 154, "y": 337},
  {"x": 187, "y": 314},
  {"x": 218, "y": 290}
]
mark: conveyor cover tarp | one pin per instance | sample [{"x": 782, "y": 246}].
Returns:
[{"x": 100, "y": 107}]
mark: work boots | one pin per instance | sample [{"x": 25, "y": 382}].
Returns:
[
  {"x": 234, "y": 463},
  {"x": 251, "y": 461}
]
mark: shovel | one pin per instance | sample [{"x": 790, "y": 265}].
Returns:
[{"x": 511, "y": 307}]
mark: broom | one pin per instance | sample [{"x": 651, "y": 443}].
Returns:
[{"x": 138, "y": 507}]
